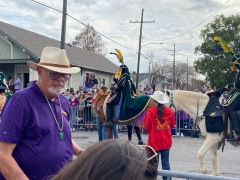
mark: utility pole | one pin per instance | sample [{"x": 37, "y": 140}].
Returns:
[
  {"x": 64, "y": 17},
  {"x": 187, "y": 74},
  {"x": 174, "y": 73},
  {"x": 140, "y": 41}
]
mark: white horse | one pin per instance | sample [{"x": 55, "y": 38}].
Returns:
[{"x": 194, "y": 103}]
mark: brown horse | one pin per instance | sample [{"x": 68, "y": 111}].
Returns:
[{"x": 99, "y": 110}]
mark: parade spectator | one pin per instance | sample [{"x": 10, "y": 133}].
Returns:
[
  {"x": 74, "y": 103},
  {"x": 111, "y": 159},
  {"x": 17, "y": 83},
  {"x": 203, "y": 89},
  {"x": 98, "y": 101},
  {"x": 158, "y": 121},
  {"x": 94, "y": 80},
  {"x": 149, "y": 91},
  {"x": 3, "y": 88},
  {"x": 88, "y": 84},
  {"x": 88, "y": 111},
  {"x": 10, "y": 84},
  {"x": 35, "y": 140},
  {"x": 137, "y": 131},
  {"x": 71, "y": 90},
  {"x": 180, "y": 117},
  {"x": 212, "y": 89},
  {"x": 114, "y": 131},
  {"x": 78, "y": 94}
]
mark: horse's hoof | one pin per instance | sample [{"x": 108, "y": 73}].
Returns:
[
  {"x": 203, "y": 172},
  {"x": 215, "y": 174}
]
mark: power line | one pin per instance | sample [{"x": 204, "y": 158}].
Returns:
[
  {"x": 196, "y": 25},
  {"x": 84, "y": 25},
  {"x": 110, "y": 15}
]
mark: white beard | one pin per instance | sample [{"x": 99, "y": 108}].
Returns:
[{"x": 54, "y": 92}]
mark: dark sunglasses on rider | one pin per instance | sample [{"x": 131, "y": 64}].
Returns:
[
  {"x": 150, "y": 152},
  {"x": 55, "y": 75}
]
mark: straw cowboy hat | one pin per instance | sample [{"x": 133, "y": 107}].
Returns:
[
  {"x": 54, "y": 59},
  {"x": 160, "y": 97}
]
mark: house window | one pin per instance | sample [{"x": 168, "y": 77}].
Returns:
[{"x": 103, "y": 81}]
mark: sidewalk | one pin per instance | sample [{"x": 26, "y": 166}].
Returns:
[{"x": 183, "y": 154}]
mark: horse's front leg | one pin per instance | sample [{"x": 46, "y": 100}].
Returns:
[
  {"x": 110, "y": 132},
  {"x": 201, "y": 153},
  {"x": 213, "y": 153}
]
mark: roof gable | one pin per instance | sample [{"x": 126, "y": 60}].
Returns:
[{"x": 34, "y": 43}]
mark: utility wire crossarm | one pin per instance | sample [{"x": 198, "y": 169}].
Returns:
[{"x": 140, "y": 41}]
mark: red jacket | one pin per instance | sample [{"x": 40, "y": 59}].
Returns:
[{"x": 159, "y": 133}]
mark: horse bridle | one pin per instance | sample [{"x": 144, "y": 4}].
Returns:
[{"x": 198, "y": 118}]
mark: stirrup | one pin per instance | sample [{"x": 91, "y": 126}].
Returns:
[{"x": 234, "y": 138}]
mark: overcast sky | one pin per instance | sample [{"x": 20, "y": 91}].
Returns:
[{"x": 176, "y": 21}]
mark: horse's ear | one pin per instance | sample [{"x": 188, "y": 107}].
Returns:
[{"x": 168, "y": 92}]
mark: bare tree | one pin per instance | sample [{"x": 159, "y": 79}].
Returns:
[
  {"x": 184, "y": 75},
  {"x": 88, "y": 39},
  {"x": 160, "y": 71}
]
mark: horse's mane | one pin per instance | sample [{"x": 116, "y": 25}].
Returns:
[{"x": 191, "y": 102}]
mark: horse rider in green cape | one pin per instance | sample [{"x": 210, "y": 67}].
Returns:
[
  {"x": 129, "y": 105},
  {"x": 232, "y": 105}
]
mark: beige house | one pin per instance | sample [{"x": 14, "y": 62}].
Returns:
[{"x": 17, "y": 46}]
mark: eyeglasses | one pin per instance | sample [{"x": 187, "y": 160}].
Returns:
[
  {"x": 55, "y": 75},
  {"x": 151, "y": 153}
]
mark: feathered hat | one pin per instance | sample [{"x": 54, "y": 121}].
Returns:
[
  {"x": 121, "y": 70},
  {"x": 227, "y": 49}
]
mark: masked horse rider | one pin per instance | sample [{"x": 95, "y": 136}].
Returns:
[
  {"x": 129, "y": 105},
  {"x": 115, "y": 95},
  {"x": 232, "y": 105}
]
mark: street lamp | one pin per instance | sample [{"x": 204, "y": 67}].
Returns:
[
  {"x": 150, "y": 43},
  {"x": 139, "y": 53}
]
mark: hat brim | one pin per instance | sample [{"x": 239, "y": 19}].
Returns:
[
  {"x": 165, "y": 100},
  {"x": 70, "y": 70}
]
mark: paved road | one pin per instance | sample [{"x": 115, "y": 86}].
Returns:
[{"x": 183, "y": 155}]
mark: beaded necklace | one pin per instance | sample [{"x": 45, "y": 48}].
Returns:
[{"x": 60, "y": 134}]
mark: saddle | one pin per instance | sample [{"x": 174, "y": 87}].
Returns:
[{"x": 214, "y": 113}]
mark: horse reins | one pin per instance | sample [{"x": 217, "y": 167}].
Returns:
[{"x": 171, "y": 101}]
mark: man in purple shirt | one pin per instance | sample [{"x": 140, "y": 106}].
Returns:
[{"x": 35, "y": 137}]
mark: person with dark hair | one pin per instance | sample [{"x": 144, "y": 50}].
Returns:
[
  {"x": 112, "y": 159},
  {"x": 90, "y": 82},
  {"x": 158, "y": 121},
  {"x": 10, "y": 84},
  {"x": 94, "y": 80}
]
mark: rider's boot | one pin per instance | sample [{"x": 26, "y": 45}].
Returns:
[
  {"x": 109, "y": 112},
  {"x": 235, "y": 126}
]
